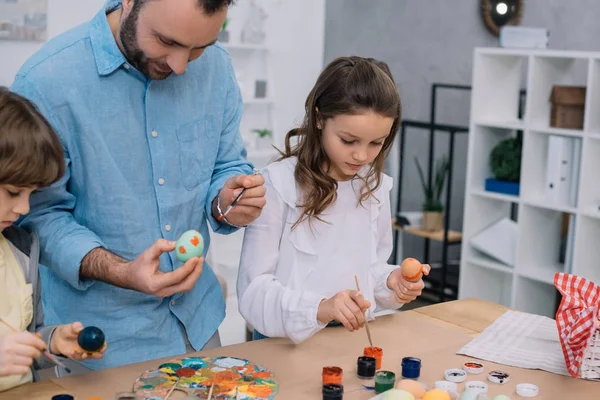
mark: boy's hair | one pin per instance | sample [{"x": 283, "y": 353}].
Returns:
[
  {"x": 30, "y": 152},
  {"x": 348, "y": 85}
]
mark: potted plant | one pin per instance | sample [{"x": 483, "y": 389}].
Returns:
[
  {"x": 505, "y": 164},
  {"x": 433, "y": 209},
  {"x": 264, "y": 137},
  {"x": 224, "y": 33}
]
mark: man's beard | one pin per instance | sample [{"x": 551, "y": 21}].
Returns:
[{"x": 133, "y": 53}]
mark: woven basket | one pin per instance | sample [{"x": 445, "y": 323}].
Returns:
[{"x": 590, "y": 364}]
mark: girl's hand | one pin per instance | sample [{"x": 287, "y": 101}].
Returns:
[
  {"x": 17, "y": 352},
  {"x": 406, "y": 291},
  {"x": 346, "y": 307},
  {"x": 64, "y": 342}
]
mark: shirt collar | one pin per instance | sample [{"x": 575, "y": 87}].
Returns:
[{"x": 107, "y": 54}]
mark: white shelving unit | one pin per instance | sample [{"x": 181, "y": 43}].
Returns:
[
  {"x": 498, "y": 76},
  {"x": 251, "y": 63}
]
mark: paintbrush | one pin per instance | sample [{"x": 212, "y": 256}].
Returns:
[
  {"x": 212, "y": 385},
  {"x": 235, "y": 201},
  {"x": 364, "y": 313},
  {"x": 46, "y": 353},
  {"x": 172, "y": 388}
]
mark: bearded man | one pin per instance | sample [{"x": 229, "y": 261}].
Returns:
[{"x": 147, "y": 107}]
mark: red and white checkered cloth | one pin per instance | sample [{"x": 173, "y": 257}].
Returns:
[{"x": 576, "y": 316}]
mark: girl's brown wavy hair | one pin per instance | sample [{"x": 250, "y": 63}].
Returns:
[{"x": 348, "y": 85}]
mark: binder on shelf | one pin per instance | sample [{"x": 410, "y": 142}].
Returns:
[{"x": 562, "y": 169}]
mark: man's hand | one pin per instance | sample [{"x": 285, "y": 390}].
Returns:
[
  {"x": 406, "y": 291},
  {"x": 142, "y": 274},
  {"x": 249, "y": 206}
]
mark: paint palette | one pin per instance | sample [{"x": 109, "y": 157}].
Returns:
[{"x": 229, "y": 375}]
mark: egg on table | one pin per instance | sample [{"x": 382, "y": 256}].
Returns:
[
  {"x": 413, "y": 387},
  {"x": 472, "y": 394},
  {"x": 397, "y": 394},
  {"x": 436, "y": 394}
]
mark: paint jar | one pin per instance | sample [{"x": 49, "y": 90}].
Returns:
[
  {"x": 365, "y": 367},
  {"x": 411, "y": 367},
  {"x": 332, "y": 375},
  {"x": 376, "y": 353},
  {"x": 384, "y": 380},
  {"x": 333, "y": 391},
  {"x": 62, "y": 397}
]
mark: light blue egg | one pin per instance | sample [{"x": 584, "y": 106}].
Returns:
[
  {"x": 469, "y": 394},
  {"x": 502, "y": 397},
  {"x": 190, "y": 244}
]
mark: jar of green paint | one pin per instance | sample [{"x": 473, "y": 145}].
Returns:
[{"x": 384, "y": 380}]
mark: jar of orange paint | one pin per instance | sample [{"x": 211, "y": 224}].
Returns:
[
  {"x": 376, "y": 353},
  {"x": 332, "y": 375}
]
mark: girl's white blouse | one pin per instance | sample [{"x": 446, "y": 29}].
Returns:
[{"x": 284, "y": 274}]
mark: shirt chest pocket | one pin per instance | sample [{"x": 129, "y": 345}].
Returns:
[{"x": 198, "y": 149}]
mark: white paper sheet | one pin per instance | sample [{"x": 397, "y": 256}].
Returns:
[{"x": 521, "y": 340}]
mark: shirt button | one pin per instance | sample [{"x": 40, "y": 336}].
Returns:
[
  {"x": 161, "y": 181},
  {"x": 154, "y": 134},
  {"x": 168, "y": 228},
  {"x": 172, "y": 302},
  {"x": 126, "y": 66}
]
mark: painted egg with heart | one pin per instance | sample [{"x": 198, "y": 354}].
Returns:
[{"x": 190, "y": 244}]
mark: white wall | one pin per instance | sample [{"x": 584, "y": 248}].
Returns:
[{"x": 62, "y": 15}]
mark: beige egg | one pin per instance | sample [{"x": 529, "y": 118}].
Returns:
[
  {"x": 437, "y": 394},
  {"x": 413, "y": 387}
]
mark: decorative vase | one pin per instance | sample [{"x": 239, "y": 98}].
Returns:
[{"x": 433, "y": 221}]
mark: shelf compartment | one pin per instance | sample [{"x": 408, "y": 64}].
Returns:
[
  {"x": 483, "y": 261},
  {"x": 586, "y": 257},
  {"x": 483, "y": 212},
  {"x": 496, "y": 87},
  {"x": 550, "y": 184},
  {"x": 485, "y": 283},
  {"x": 545, "y": 72},
  {"x": 536, "y": 297},
  {"x": 484, "y": 139},
  {"x": 589, "y": 192},
  {"x": 542, "y": 247},
  {"x": 592, "y": 100}
]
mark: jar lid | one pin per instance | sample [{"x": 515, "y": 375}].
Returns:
[
  {"x": 498, "y": 376},
  {"x": 473, "y": 367},
  {"x": 455, "y": 375},
  {"x": 448, "y": 386},
  {"x": 477, "y": 386},
  {"x": 527, "y": 390}
]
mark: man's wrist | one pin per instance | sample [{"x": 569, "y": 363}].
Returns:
[
  {"x": 219, "y": 214},
  {"x": 102, "y": 265}
]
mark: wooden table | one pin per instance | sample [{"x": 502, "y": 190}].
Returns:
[{"x": 433, "y": 333}]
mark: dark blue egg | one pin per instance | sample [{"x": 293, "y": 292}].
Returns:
[{"x": 91, "y": 339}]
